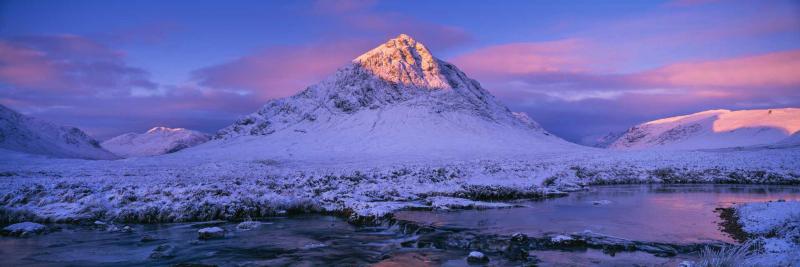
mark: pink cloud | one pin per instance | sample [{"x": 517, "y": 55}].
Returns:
[
  {"x": 777, "y": 69},
  {"x": 26, "y": 67},
  {"x": 280, "y": 71},
  {"x": 526, "y": 58},
  {"x": 569, "y": 69},
  {"x": 67, "y": 63}
]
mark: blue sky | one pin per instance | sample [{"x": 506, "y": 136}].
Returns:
[{"x": 580, "y": 68}]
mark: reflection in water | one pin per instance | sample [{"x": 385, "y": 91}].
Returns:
[{"x": 658, "y": 213}]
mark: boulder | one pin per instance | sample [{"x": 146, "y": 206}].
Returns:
[
  {"x": 477, "y": 257},
  {"x": 24, "y": 229},
  {"x": 211, "y": 233}
]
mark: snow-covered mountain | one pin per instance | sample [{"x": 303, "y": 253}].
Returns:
[
  {"x": 395, "y": 99},
  {"x": 31, "y": 135},
  {"x": 714, "y": 129},
  {"x": 156, "y": 141},
  {"x": 601, "y": 141}
]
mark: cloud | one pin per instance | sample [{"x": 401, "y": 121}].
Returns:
[
  {"x": 342, "y": 6},
  {"x": 778, "y": 69},
  {"x": 78, "y": 81},
  {"x": 281, "y": 70},
  {"x": 67, "y": 63},
  {"x": 362, "y": 18},
  {"x": 558, "y": 56},
  {"x": 553, "y": 82}
]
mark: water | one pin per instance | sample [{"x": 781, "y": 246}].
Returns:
[
  {"x": 304, "y": 241},
  {"x": 663, "y": 213},
  {"x": 677, "y": 214}
]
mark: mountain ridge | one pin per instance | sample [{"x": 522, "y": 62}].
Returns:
[
  {"x": 32, "y": 135},
  {"x": 156, "y": 141},
  {"x": 712, "y": 129}
]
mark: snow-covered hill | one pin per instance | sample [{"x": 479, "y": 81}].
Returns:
[
  {"x": 714, "y": 129},
  {"x": 156, "y": 141},
  {"x": 397, "y": 99},
  {"x": 31, "y": 135},
  {"x": 601, "y": 141}
]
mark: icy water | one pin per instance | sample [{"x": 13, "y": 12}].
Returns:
[
  {"x": 677, "y": 214},
  {"x": 663, "y": 213}
]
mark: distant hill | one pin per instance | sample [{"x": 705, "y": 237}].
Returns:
[
  {"x": 31, "y": 135},
  {"x": 714, "y": 129},
  {"x": 156, "y": 141}
]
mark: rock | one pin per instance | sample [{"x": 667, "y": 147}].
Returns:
[
  {"x": 314, "y": 245},
  {"x": 601, "y": 202},
  {"x": 163, "y": 251},
  {"x": 147, "y": 238},
  {"x": 561, "y": 239},
  {"x": 211, "y": 233},
  {"x": 127, "y": 229},
  {"x": 518, "y": 247},
  {"x": 185, "y": 264},
  {"x": 248, "y": 225},
  {"x": 477, "y": 257},
  {"x": 23, "y": 229}
]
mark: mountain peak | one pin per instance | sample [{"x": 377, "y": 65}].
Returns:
[
  {"x": 405, "y": 61},
  {"x": 394, "y": 89}
]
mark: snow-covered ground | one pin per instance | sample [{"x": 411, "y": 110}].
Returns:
[
  {"x": 168, "y": 188},
  {"x": 776, "y": 227},
  {"x": 156, "y": 141}
]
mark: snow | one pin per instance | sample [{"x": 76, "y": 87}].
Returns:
[
  {"x": 763, "y": 218},
  {"x": 156, "y": 141},
  {"x": 713, "y": 129},
  {"x": 211, "y": 233},
  {"x": 440, "y": 202},
  {"x": 396, "y": 100},
  {"x": 396, "y": 129},
  {"x": 477, "y": 257},
  {"x": 31, "y": 135},
  {"x": 23, "y": 229},
  {"x": 561, "y": 238},
  {"x": 777, "y": 226},
  {"x": 248, "y": 225}
]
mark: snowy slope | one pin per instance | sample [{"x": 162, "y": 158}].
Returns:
[
  {"x": 713, "y": 129},
  {"x": 156, "y": 141},
  {"x": 31, "y": 135},
  {"x": 792, "y": 140},
  {"x": 396, "y": 99},
  {"x": 601, "y": 141}
]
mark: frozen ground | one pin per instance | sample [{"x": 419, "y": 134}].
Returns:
[
  {"x": 776, "y": 227},
  {"x": 172, "y": 188}
]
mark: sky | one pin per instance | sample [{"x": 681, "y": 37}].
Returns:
[{"x": 582, "y": 69}]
